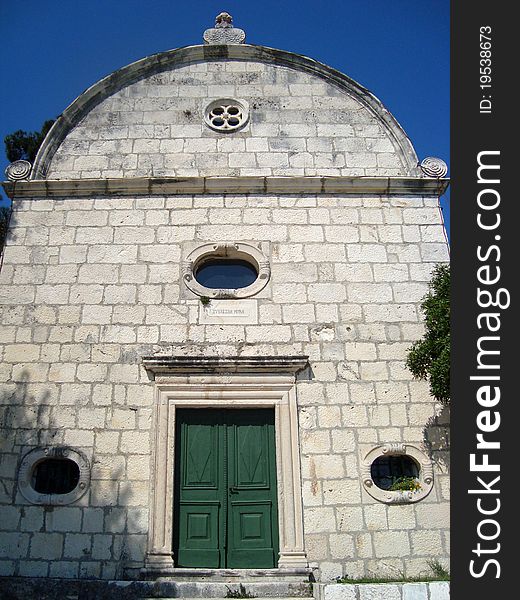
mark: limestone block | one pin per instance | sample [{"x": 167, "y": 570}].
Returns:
[
  {"x": 102, "y": 394},
  {"x": 329, "y": 416},
  {"x": 77, "y": 545},
  {"x": 91, "y": 418},
  {"x": 393, "y": 313},
  {"x": 134, "y": 494},
  {"x": 315, "y": 442},
  {"x": 123, "y": 419},
  {"x": 415, "y": 591},
  {"x": 22, "y": 353},
  {"x": 325, "y": 252},
  {"x": 98, "y": 273},
  {"x": 431, "y": 252},
  {"x": 311, "y": 493},
  {"x": 330, "y": 571},
  {"x": 363, "y": 545},
  {"x": 137, "y": 467},
  {"x": 362, "y": 393},
  {"x": 270, "y": 314},
  {"x": 341, "y": 233},
  {"x": 319, "y": 520},
  {"x": 343, "y": 440},
  {"x": 79, "y": 437},
  {"x": 349, "y": 518},
  {"x": 52, "y": 294},
  {"x": 11, "y": 518},
  {"x": 89, "y": 570},
  {"x": 376, "y": 517},
  {"x": 374, "y": 371},
  {"x": 268, "y": 333},
  {"x": 135, "y": 442},
  {"x": 338, "y": 492},
  {"x": 124, "y": 373},
  {"x": 86, "y": 218},
  {"x": 367, "y": 253},
  {"x": 341, "y": 546},
  {"x": 379, "y": 591},
  {"x": 43, "y": 545},
  {"x": 354, "y": 416},
  {"x": 93, "y": 520},
  {"x": 32, "y": 568},
  {"x": 326, "y": 292},
  {"x": 402, "y": 517},
  {"x": 391, "y": 543},
  {"x": 439, "y": 590},
  {"x": 91, "y": 372},
  {"x": 289, "y": 272},
  {"x": 426, "y": 542},
  {"x": 349, "y": 370},
  {"x": 122, "y": 253},
  {"x": 102, "y": 547},
  {"x": 67, "y": 569},
  {"x": 322, "y": 466},
  {"x": 131, "y": 315},
  {"x": 421, "y": 216}
]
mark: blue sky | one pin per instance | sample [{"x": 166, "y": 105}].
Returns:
[{"x": 53, "y": 50}]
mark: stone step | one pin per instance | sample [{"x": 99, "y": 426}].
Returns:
[
  {"x": 224, "y": 598},
  {"x": 301, "y": 575},
  {"x": 237, "y": 589},
  {"x": 167, "y": 588}
]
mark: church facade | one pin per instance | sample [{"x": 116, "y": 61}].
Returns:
[{"x": 213, "y": 275}]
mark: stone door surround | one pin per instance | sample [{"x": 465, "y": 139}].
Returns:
[{"x": 225, "y": 382}]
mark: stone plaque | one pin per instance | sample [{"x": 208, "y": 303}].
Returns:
[{"x": 229, "y": 312}]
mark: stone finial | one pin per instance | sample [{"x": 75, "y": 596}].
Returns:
[
  {"x": 18, "y": 170},
  {"x": 224, "y": 19},
  {"x": 224, "y": 33},
  {"x": 433, "y": 167}
]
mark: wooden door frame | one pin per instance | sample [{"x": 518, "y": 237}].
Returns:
[{"x": 216, "y": 382}]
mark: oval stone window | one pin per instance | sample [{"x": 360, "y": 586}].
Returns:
[
  {"x": 226, "y": 273},
  {"x": 55, "y": 476},
  {"x": 394, "y": 472}
]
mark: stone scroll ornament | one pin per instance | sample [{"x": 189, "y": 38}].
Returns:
[
  {"x": 18, "y": 170},
  {"x": 434, "y": 167},
  {"x": 224, "y": 33}
]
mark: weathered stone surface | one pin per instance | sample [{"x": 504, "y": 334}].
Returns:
[{"x": 90, "y": 285}]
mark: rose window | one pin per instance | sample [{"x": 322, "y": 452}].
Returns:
[{"x": 226, "y": 115}]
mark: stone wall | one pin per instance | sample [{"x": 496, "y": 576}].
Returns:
[
  {"x": 88, "y": 286},
  {"x": 435, "y": 590},
  {"x": 299, "y": 124}
]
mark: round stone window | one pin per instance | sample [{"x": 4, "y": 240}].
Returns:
[
  {"x": 397, "y": 473},
  {"x": 226, "y": 270},
  {"x": 226, "y": 115},
  {"x": 226, "y": 273},
  {"x": 53, "y": 476}
]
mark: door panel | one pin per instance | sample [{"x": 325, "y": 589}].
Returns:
[
  {"x": 200, "y": 497},
  {"x": 252, "y": 518},
  {"x": 225, "y": 489}
]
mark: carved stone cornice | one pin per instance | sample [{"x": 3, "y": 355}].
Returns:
[
  {"x": 223, "y": 364},
  {"x": 170, "y": 186}
]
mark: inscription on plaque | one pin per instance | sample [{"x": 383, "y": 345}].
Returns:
[{"x": 229, "y": 312}]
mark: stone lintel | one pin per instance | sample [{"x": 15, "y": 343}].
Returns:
[
  {"x": 151, "y": 186},
  {"x": 224, "y": 364}
]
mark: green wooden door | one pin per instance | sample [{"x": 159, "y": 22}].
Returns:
[{"x": 225, "y": 489}]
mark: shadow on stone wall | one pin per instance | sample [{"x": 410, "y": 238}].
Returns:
[
  {"x": 436, "y": 438},
  {"x": 99, "y": 536}
]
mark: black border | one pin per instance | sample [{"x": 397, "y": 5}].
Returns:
[{"x": 474, "y": 132}]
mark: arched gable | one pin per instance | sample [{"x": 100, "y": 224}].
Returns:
[{"x": 146, "y": 119}]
